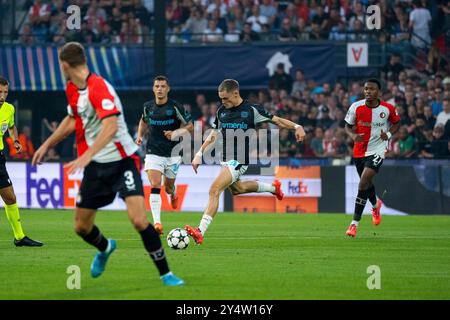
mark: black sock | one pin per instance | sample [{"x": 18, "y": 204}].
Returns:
[
  {"x": 360, "y": 203},
  {"x": 372, "y": 195},
  {"x": 96, "y": 239},
  {"x": 152, "y": 244}
]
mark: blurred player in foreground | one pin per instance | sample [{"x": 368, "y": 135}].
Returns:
[
  {"x": 235, "y": 116},
  {"x": 6, "y": 188},
  {"x": 166, "y": 120},
  {"x": 370, "y": 122},
  {"x": 106, "y": 152}
]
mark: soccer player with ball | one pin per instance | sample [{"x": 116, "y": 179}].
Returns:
[{"x": 235, "y": 114}]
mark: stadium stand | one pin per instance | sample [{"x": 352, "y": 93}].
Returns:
[{"x": 416, "y": 75}]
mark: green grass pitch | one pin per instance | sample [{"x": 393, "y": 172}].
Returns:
[{"x": 244, "y": 256}]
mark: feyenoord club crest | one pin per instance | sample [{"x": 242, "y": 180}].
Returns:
[{"x": 382, "y": 115}]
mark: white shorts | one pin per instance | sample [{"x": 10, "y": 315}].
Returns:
[
  {"x": 236, "y": 169},
  {"x": 168, "y": 166}
]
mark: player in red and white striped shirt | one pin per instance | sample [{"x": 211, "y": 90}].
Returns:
[
  {"x": 106, "y": 153},
  {"x": 370, "y": 123}
]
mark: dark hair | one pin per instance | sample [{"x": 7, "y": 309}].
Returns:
[
  {"x": 3, "y": 81},
  {"x": 73, "y": 53},
  {"x": 373, "y": 80},
  {"x": 161, "y": 78},
  {"x": 229, "y": 85}
]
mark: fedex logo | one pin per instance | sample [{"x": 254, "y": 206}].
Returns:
[
  {"x": 47, "y": 189},
  {"x": 297, "y": 188},
  {"x": 49, "y": 186}
]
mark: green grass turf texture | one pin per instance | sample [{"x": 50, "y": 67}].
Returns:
[{"x": 244, "y": 256}]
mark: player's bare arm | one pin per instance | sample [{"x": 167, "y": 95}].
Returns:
[
  {"x": 65, "y": 128},
  {"x": 179, "y": 132},
  {"x": 387, "y": 135},
  {"x": 15, "y": 137},
  {"x": 141, "y": 132},
  {"x": 209, "y": 142},
  {"x": 107, "y": 132},
  {"x": 358, "y": 137},
  {"x": 288, "y": 124}
]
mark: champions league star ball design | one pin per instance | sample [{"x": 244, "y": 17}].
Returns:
[{"x": 178, "y": 239}]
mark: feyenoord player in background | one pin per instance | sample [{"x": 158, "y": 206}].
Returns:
[
  {"x": 166, "y": 120},
  {"x": 106, "y": 152},
  {"x": 370, "y": 122}
]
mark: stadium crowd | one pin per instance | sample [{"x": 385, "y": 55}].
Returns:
[
  {"x": 421, "y": 95},
  {"x": 422, "y": 100},
  {"x": 403, "y": 24}
]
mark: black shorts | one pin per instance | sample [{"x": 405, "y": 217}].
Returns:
[
  {"x": 5, "y": 181},
  {"x": 374, "y": 162},
  {"x": 102, "y": 181}
]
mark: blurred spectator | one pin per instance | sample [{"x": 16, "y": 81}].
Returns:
[
  {"x": 268, "y": 10},
  {"x": 419, "y": 22},
  {"x": 213, "y": 33},
  {"x": 439, "y": 145},
  {"x": 247, "y": 34},
  {"x": 444, "y": 115},
  {"x": 338, "y": 32},
  {"x": 287, "y": 33},
  {"x": 430, "y": 119},
  {"x": 256, "y": 19},
  {"x": 27, "y": 37},
  {"x": 281, "y": 80},
  {"x": 393, "y": 68},
  {"x": 317, "y": 143},
  {"x": 217, "y": 5},
  {"x": 27, "y": 145},
  {"x": 436, "y": 103},
  {"x": 39, "y": 18},
  {"x": 266, "y": 34},
  {"x": 288, "y": 146},
  {"x": 299, "y": 84},
  {"x": 196, "y": 24},
  {"x": 406, "y": 143},
  {"x": 232, "y": 34}
]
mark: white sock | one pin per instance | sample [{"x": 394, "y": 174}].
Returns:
[
  {"x": 355, "y": 222},
  {"x": 155, "y": 205},
  {"x": 265, "y": 187},
  {"x": 204, "y": 223},
  {"x": 166, "y": 274},
  {"x": 108, "y": 248}
]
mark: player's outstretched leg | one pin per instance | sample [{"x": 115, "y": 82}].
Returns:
[
  {"x": 151, "y": 240},
  {"x": 241, "y": 187},
  {"x": 223, "y": 180}
]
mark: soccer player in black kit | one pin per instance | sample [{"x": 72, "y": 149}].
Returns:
[
  {"x": 166, "y": 120},
  {"x": 235, "y": 114}
]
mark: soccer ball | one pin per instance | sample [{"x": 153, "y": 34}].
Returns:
[{"x": 178, "y": 239}]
